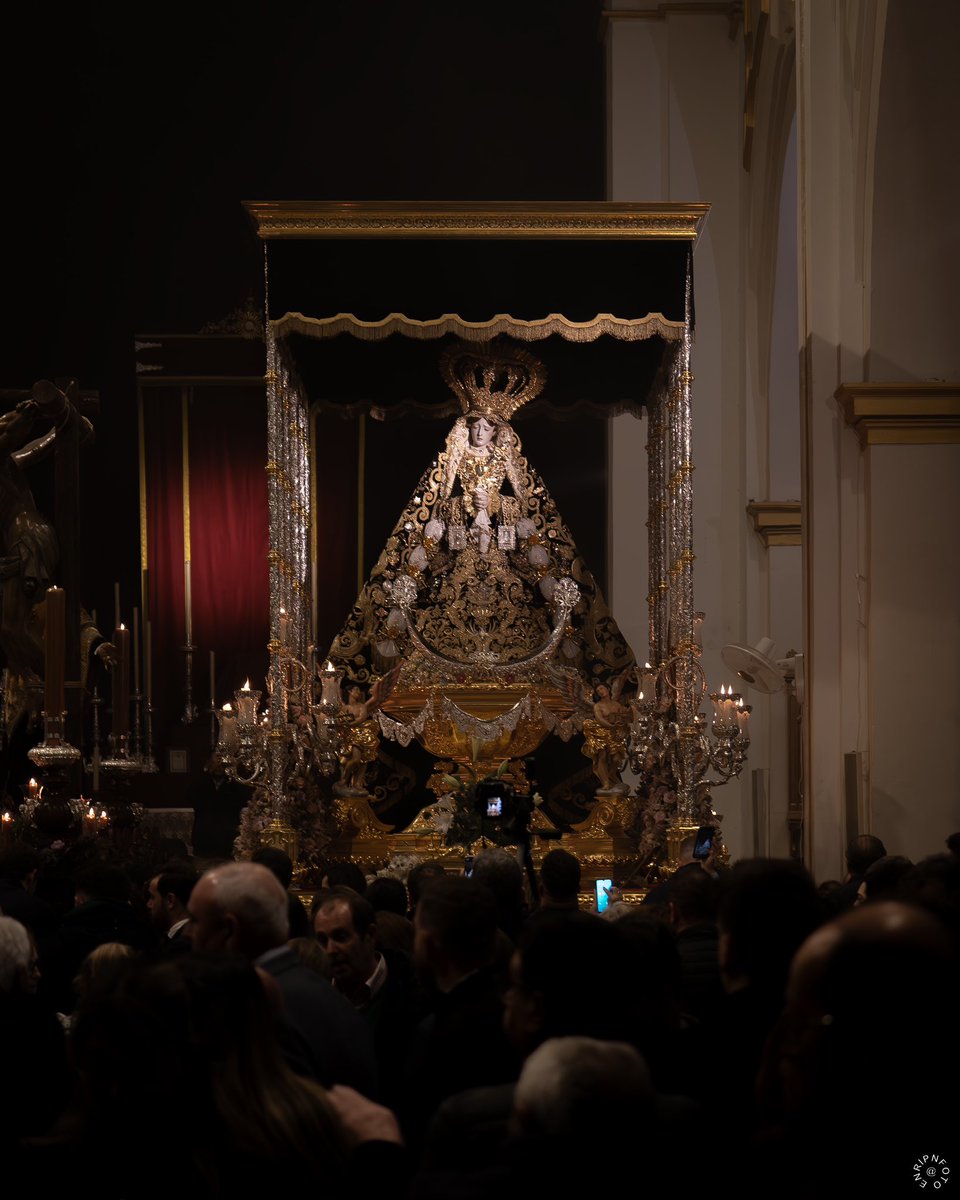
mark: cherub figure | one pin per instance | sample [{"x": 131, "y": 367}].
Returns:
[
  {"x": 361, "y": 734},
  {"x": 605, "y": 735}
]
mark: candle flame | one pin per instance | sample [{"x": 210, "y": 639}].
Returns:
[
  {"x": 33, "y": 782},
  {"x": 103, "y": 814},
  {"x": 8, "y": 816},
  {"x": 329, "y": 666},
  {"x": 122, "y": 626},
  {"x": 246, "y": 686},
  {"x": 90, "y": 813},
  {"x": 228, "y": 708},
  {"x": 646, "y": 666}
]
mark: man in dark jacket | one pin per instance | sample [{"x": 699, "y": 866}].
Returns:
[{"x": 242, "y": 907}]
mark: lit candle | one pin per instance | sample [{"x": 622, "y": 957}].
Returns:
[
  {"x": 33, "y": 789},
  {"x": 743, "y": 715},
  {"x": 121, "y": 682},
  {"x": 330, "y": 686},
  {"x": 227, "y": 741},
  {"x": 716, "y": 699},
  {"x": 103, "y": 816},
  {"x": 55, "y": 639},
  {"x": 648, "y": 681},
  {"x": 247, "y": 701}
]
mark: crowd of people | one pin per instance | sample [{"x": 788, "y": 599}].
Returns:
[{"x": 200, "y": 1030}]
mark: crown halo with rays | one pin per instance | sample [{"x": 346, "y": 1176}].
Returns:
[{"x": 492, "y": 381}]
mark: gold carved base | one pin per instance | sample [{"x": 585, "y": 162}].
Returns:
[
  {"x": 676, "y": 835},
  {"x": 599, "y": 843}
]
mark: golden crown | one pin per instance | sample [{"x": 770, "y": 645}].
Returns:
[{"x": 493, "y": 381}]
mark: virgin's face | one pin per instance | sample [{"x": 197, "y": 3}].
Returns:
[{"x": 482, "y": 432}]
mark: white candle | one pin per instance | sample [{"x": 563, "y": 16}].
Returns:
[{"x": 247, "y": 702}]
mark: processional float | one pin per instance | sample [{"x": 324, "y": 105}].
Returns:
[{"x": 481, "y": 634}]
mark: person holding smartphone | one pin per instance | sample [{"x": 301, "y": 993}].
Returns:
[{"x": 701, "y": 841}]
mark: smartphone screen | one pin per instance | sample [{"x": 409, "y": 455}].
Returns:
[
  {"x": 704, "y": 843},
  {"x": 603, "y": 895}
]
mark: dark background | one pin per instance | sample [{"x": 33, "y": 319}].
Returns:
[{"x": 132, "y": 136}]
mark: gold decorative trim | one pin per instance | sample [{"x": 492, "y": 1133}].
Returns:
[
  {"x": 776, "y": 522},
  {"x": 625, "y": 329},
  {"x": 602, "y": 220},
  {"x": 902, "y": 414}
]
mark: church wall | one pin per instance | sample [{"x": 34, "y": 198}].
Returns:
[
  {"x": 914, "y": 300},
  {"x": 772, "y": 423},
  {"x": 831, "y": 261},
  {"x": 838, "y": 67},
  {"x": 913, "y": 491},
  {"x": 914, "y": 643},
  {"x": 675, "y": 105}
]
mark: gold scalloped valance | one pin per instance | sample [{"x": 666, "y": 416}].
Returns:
[{"x": 603, "y": 324}]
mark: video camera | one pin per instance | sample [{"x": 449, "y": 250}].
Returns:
[
  {"x": 494, "y": 800},
  {"x": 497, "y": 803}
]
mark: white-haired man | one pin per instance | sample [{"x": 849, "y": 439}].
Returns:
[{"x": 242, "y": 907}]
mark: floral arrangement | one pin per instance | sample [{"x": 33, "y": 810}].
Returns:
[
  {"x": 457, "y": 814},
  {"x": 657, "y": 810},
  {"x": 399, "y": 867}
]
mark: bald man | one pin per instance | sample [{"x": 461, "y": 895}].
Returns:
[
  {"x": 860, "y": 1073},
  {"x": 242, "y": 907}
]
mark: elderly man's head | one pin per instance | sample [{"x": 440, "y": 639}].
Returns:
[{"x": 240, "y": 907}]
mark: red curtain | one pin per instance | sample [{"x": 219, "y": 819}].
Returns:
[
  {"x": 229, "y": 543},
  {"x": 164, "y": 479},
  {"x": 229, "y": 524}
]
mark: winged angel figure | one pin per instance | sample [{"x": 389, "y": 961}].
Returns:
[{"x": 606, "y": 726}]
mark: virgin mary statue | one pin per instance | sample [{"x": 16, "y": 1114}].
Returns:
[{"x": 480, "y": 584}]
